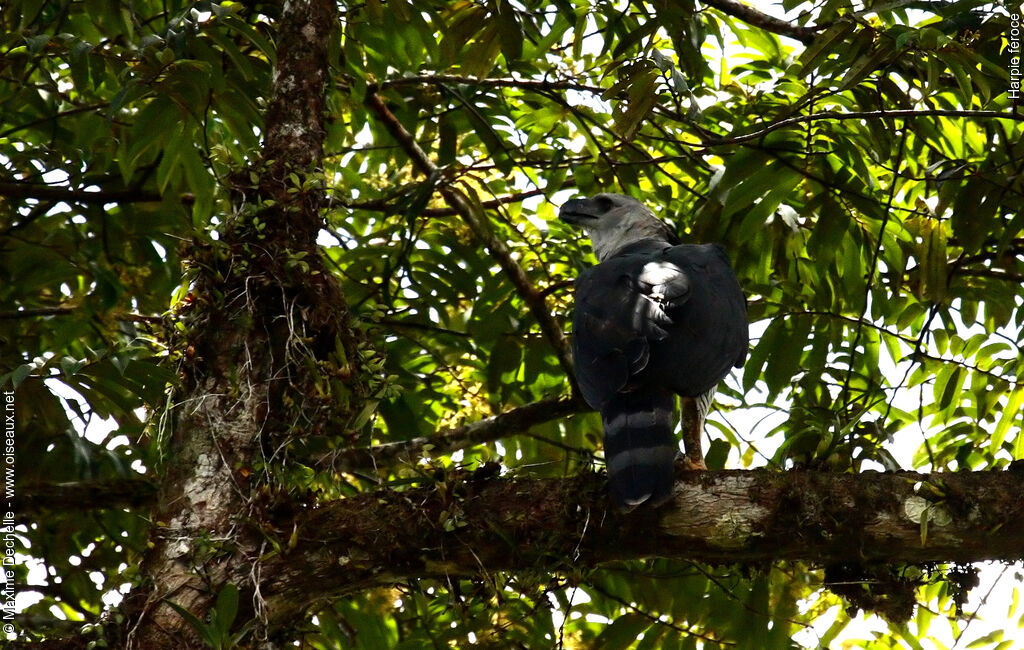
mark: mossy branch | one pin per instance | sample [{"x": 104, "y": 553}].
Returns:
[{"x": 473, "y": 523}]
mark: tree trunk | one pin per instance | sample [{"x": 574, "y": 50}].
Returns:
[{"x": 266, "y": 326}]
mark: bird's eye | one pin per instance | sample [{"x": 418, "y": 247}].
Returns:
[{"x": 604, "y": 204}]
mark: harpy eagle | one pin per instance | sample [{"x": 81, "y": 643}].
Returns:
[{"x": 654, "y": 319}]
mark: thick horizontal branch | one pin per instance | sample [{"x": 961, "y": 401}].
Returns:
[
  {"x": 489, "y": 429},
  {"x": 473, "y": 524}
]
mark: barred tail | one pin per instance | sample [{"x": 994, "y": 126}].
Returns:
[{"x": 639, "y": 448}]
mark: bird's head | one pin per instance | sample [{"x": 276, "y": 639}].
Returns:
[{"x": 613, "y": 221}]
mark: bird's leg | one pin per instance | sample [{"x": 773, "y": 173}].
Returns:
[{"x": 693, "y": 427}]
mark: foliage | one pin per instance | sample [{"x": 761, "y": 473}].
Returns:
[{"x": 856, "y": 172}]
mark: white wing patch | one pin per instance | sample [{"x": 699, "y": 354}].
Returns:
[{"x": 663, "y": 282}]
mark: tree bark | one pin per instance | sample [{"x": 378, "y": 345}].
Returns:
[
  {"x": 468, "y": 524},
  {"x": 268, "y": 351}
]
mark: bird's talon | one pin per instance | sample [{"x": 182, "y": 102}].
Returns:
[{"x": 691, "y": 464}]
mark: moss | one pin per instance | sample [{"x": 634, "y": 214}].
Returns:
[{"x": 733, "y": 531}]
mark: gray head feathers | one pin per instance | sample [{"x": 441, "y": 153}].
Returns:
[{"x": 614, "y": 221}]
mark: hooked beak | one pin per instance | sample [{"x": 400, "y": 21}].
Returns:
[{"x": 580, "y": 212}]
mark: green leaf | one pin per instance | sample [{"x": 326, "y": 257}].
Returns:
[
  {"x": 70, "y": 365},
  {"x": 823, "y": 45},
  {"x": 986, "y": 641},
  {"x": 948, "y": 387},
  {"x": 866, "y": 64},
  {"x": 511, "y": 33},
  {"x": 1011, "y": 416},
  {"x": 663, "y": 62},
  {"x": 718, "y": 453},
  {"x": 207, "y": 632},
  {"x": 972, "y": 214},
  {"x": 226, "y": 609},
  {"x": 37, "y": 43},
  {"x": 642, "y": 97},
  {"x": 504, "y": 363},
  {"x": 934, "y": 259},
  {"x": 771, "y": 186},
  {"x": 623, "y": 632},
  {"x": 20, "y": 374}
]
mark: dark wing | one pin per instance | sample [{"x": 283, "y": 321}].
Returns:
[
  {"x": 668, "y": 318},
  {"x": 708, "y": 335},
  {"x": 620, "y": 310}
]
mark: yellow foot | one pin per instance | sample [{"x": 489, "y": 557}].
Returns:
[{"x": 691, "y": 464}]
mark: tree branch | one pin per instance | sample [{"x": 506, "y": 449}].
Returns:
[
  {"x": 84, "y": 495},
  {"x": 481, "y": 229},
  {"x": 382, "y": 205},
  {"x": 858, "y": 115},
  {"x": 473, "y": 524},
  {"x": 489, "y": 429},
  {"x": 36, "y": 312},
  {"x": 998, "y": 274},
  {"x": 135, "y": 493},
  {"x": 768, "y": 23},
  {"x": 531, "y": 84},
  {"x": 15, "y": 190},
  {"x": 53, "y": 118},
  {"x": 43, "y": 312}
]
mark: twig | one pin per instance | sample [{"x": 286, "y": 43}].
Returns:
[
  {"x": 42, "y": 192},
  {"x": 873, "y": 268},
  {"x": 489, "y": 429},
  {"x": 476, "y": 222},
  {"x": 859, "y": 115},
  {"x": 42, "y": 312},
  {"x": 382, "y": 205},
  {"x": 532, "y": 84},
  {"x": 85, "y": 495},
  {"x": 768, "y": 23}
]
